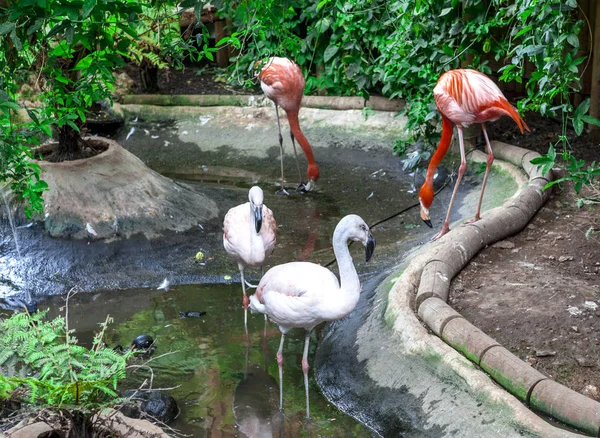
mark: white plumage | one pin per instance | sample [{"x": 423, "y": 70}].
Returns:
[
  {"x": 249, "y": 235},
  {"x": 303, "y": 294}
]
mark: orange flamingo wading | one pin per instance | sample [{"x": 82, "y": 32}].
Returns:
[
  {"x": 249, "y": 236},
  {"x": 303, "y": 294},
  {"x": 464, "y": 97},
  {"x": 282, "y": 81}
]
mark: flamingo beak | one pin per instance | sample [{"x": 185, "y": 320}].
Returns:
[
  {"x": 370, "y": 247},
  {"x": 258, "y": 218},
  {"x": 310, "y": 185},
  {"x": 425, "y": 215}
]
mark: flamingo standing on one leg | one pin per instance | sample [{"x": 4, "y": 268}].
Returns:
[
  {"x": 303, "y": 294},
  {"x": 464, "y": 97},
  {"x": 282, "y": 81},
  {"x": 249, "y": 236}
]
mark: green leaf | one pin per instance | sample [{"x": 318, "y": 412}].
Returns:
[
  {"x": 6, "y": 28},
  {"x": 16, "y": 40},
  {"x": 445, "y": 11},
  {"x": 591, "y": 120},
  {"x": 330, "y": 52},
  {"x": 583, "y": 108},
  {"x": 87, "y": 7},
  {"x": 573, "y": 40},
  {"x": 578, "y": 126}
]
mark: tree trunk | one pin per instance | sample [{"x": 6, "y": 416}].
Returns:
[
  {"x": 69, "y": 145},
  {"x": 149, "y": 77}
]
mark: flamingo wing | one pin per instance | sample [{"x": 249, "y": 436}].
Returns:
[
  {"x": 236, "y": 230},
  {"x": 282, "y": 81},
  {"x": 467, "y": 96},
  {"x": 290, "y": 293},
  {"x": 269, "y": 230}
]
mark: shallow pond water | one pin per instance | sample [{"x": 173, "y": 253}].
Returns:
[{"x": 223, "y": 388}]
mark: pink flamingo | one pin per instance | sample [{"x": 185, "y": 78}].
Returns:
[
  {"x": 282, "y": 81},
  {"x": 303, "y": 294},
  {"x": 464, "y": 97},
  {"x": 249, "y": 236}
]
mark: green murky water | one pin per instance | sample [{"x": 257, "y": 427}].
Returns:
[{"x": 223, "y": 388}]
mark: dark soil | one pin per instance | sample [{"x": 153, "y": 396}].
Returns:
[
  {"x": 190, "y": 80},
  {"x": 538, "y": 292},
  {"x": 89, "y": 148}
]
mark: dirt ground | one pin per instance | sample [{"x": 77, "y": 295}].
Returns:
[
  {"x": 190, "y": 80},
  {"x": 538, "y": 292}
]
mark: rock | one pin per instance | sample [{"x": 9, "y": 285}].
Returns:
[
  {"x": 116, "y": 187},
  {"x": 29, "y": 430},
  {"x": 562, "y": 259},
  {"x": 504, "y": 244},
  {"x": 591, "y": 391},
  {"x": 575, "y": 328},
  {"x": 590, "y": 305},
  {"x": 545, "y": 353},
  {"x": 530, "y": 238},
  {"x": 156, "y": 404},
  {"x": 584, "y": 361},
  {"x": 142, "y": 342}
]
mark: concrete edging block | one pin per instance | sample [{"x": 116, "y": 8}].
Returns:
[
  {"x": 435, "y": 282},
  {"x": 436, "y": 313},
  {"x": 511, "y": 372},
  {"x": 468, "y": 339},
  {"x": 566, "y": 405}
]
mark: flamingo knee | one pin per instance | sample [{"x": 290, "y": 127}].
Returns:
[{"x": 279, "y": 358}]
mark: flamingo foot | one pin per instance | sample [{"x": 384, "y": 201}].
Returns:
[
  {"x": 475, "y": 219},
  {"x": 282, "y": 191},
  {"x": 443, "y": 231},
  {"x": 246, "y": 302},
  {"x": 301, "y": 188}
]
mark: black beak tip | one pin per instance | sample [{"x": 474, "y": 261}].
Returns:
[
  {"x": 370, "y": 249},
  {"x": 258, "y": 219},
  {"x": 428, "y": 223}
]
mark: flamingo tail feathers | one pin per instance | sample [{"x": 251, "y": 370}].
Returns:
[{"x": 512, "y": 112}]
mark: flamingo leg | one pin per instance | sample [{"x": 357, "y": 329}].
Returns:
[
  {"x": 245, "y": 300},
  {"x": 262, "y": 274},
  {"x": 281, "y": 191},
  {"x": 280, "y": 365},
  {"x": 301, "y": 187},
  {"x": 490, "y": 160},
  {"x": 461, "y": 171},
  {"x": 305, "y": 369}
]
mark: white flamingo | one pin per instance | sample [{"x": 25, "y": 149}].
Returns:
[
  {"x": 249, "y": 236},
  {"x": 303, "y": 294}
]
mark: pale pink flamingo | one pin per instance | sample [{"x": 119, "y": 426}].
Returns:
[
  {"x": 282, "y": 81},
  {"x": 249, "y": 236},
  {"x": 464, "y": 97},
  {"x": 303, "y": 294}
]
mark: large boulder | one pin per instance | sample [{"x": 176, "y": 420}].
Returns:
[{"x": 114, "y": 194}]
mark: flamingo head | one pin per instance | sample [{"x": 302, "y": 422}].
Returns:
[
  {"x": 312, "y": 174},
  {"x": 425, "y": 200},
  {"x": 358, "y": 231},
  {"x": 255, "y": 196}
]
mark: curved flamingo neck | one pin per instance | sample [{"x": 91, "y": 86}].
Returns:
[
  {"x": 298, "y": 135},
  {"x": 349, "y": 282},
  {"x": 440, "y": 152}
]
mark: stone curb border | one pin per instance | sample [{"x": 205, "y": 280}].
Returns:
[
  {"x": 430, "y": 279},
  {"x": 377, "y": 103}
]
